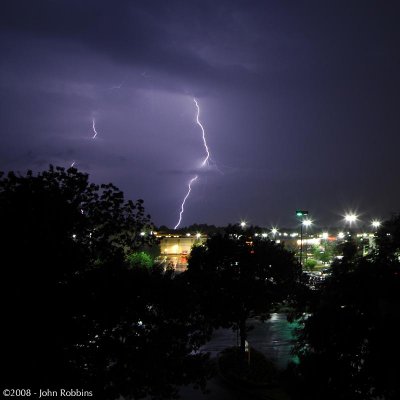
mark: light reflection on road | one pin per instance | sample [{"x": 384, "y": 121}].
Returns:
[{"x": 272, "y": 338}]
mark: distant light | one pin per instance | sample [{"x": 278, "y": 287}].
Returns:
[
  {"x": 243, "y": 224},
  {"x": 74, "y": 236},
  {"x": 142, "y": 233},
  {"x": 274, "y": 231},
  {"x": 198, "y": 235},
  {"x": 325, "y": 235},
  {"x": 376, "y": 224},
  {"x": 301, "y": 213},
  {"x": 350, "y": 218},
  {"x": 341, "y": 235},
  {"x": 188, "y": 234},
  {"x": 307, "y": 222},
  {"x": 264, "y": 234}
]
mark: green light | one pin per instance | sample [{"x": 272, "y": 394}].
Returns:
[{"x": 301, "y": 213}]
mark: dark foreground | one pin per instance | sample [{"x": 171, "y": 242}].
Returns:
[{"x": 272, "y": 338}]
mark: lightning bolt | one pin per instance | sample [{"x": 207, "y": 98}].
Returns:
[
  {"x": 94, "y": 128},
  {"x": 95, "y": 133},
  {"x": 205, "y": 161},
  {"x": 184, "y": 200},
  {"x": 203, "y": 164}
]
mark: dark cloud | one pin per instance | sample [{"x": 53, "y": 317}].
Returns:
[{"x": 299, "y": 100}]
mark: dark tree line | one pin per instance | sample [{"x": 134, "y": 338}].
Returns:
[
  {"x": 236, "y": 275},
  {"x": 348, "y": 347},
  {"x": 78, "y": 310},
  {"x": 75, "y": 313}
]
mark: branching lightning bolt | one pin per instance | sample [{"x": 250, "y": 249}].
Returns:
[
  {"x": 184, "y": 200},
  {"x": 94, "y": 128},
  {"x": 203, "y": 164},
  {"x": 205, "y": 161}
]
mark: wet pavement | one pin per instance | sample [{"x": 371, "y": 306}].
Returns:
[{"x": 272, "y": 338}]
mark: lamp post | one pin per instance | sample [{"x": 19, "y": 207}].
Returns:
[
  {"x": 301, "y": 214},
  {"x": 307, "y": 222},
  {"x": 351, "y": 218}
]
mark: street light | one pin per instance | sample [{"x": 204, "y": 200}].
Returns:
[
  {"x": 376, "y": 224},
  {"x": 274, "y": 231},
  {"x": 350, "y": 218},
  {"x": 307, "y": 223},
  {"x": 301, "y": 214},
  {"x": 243, "y": 224}
]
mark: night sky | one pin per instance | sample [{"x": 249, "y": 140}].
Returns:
[{"x": 300, "y": 101}]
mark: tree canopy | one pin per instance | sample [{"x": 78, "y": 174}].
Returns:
[
  {"x": 348, "y": 347},
  {"x": 237, "y": 274},
  {"x": 76, "y": 312}
]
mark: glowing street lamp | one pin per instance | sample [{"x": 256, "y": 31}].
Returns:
[
  {"x": 307, "y": 222},
  {"x": 376, "y": 224},
  {"x": 274, "y": 231},
  {"x": 325, "y": 235},
  {"x": 243, "y": 224},
  {"x": 301, "y": 214},
  {"x": 350, "y": 218}
]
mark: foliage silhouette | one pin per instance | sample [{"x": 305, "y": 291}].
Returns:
[
  {"x": 75, "y": 313},
  {"x": 348, "y": 346},
  {"x": 236, "y": 275}
]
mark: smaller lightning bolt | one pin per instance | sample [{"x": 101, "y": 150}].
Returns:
[
  {"x": 94, "y": 128},
  {"x": 72, "y": 164},
  {"x": 184, "y": 200},
  {"x": 205, "y": 161}
]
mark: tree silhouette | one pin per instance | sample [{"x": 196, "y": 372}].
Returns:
[
  {"x": 236, "y": 275},
  {"x": 348, "y": 347},
  {"x": 76, "y": 314}
]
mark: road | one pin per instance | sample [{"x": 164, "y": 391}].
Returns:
[{"x": 272, "y": 338}]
